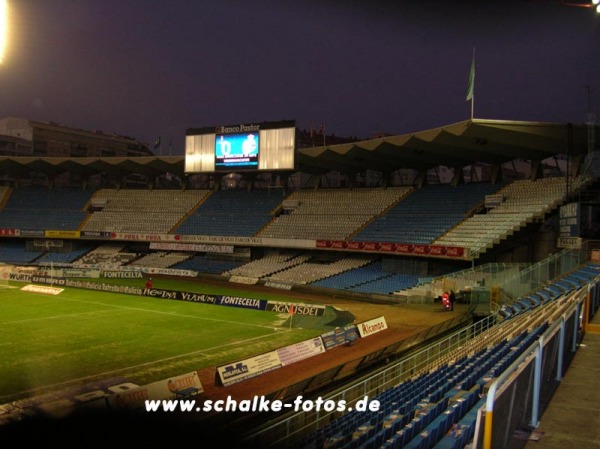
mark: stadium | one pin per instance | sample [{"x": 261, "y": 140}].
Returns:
[{"x": 300, "y": 267}]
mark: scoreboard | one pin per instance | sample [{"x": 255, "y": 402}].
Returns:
[{"x": 265, "y": 146}]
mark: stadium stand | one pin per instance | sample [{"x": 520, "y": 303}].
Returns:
[
  {"x": 62, "y": 208},
  {"x": 107, "y": 255},
  {"x": 309, "y": 271},
  {"x": 202, "y": 264},
  {"x": 161, "y": 259},
  {"x": 271, "y": 263},
  {"x": 231, "y": 213},
  {"x": 65, "y": 257},
  {"x": 331, "y": 213},
  {"x": 523, "y": 202},
  {"x": 437, "y": 408},
  {"x": 234, "y": 212},
  {"x": 129, "y": 210},
  {"x": 14, "y": 251},
  {"x": 426, "y": 213}
]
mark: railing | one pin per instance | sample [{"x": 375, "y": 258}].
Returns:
[
  {"x": 512, "y": 280},
  {"x": 493, "y": 273},
  {"x": 297, "y": 425},
  {"x": 530, "y": 382},
  {"x": 294, "y": 426},
  {"x": 541, "y": 273}
]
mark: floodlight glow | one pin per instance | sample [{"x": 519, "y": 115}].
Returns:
[
  {"x": 595, "y": 2},
  {"x": 3, "y": 28}
]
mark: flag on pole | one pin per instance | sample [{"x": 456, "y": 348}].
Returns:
[
  {"x": 471, "y": 87},
  {"x": 291, "y": 312}
]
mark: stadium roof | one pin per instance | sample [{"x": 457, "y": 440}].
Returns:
[{"x": 456, "y": 145}]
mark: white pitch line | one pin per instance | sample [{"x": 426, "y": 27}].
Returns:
[
  {"x": 133, "y": 367},
  {"x": 137, "y": 309},
  {"x": 95, "y": 312}
]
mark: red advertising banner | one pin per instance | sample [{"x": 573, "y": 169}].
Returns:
[
  {"x": 437, "y": 250},
  {"x": 420, "y": 249},
  {"x": 402, "y": 248},
  {"x": 338, "y": 244},
  {"x": 371, "y": 246},
  {"x": 455, "y": 251},
  {"x": 387, "y": 247}
]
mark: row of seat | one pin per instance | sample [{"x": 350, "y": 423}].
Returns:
[
  {"x": 559, "y": 287},
  {"x": 523, "y": 201},
  {"x": 458, "y": 375},
  {"x": 430, "y": 214}
]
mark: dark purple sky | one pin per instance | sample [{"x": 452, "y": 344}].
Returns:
[{"x": 149, "y": 68}]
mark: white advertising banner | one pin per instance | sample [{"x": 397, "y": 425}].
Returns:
[
  {"x": 299, "y": 351},
  {"x": 245, "y": 369},
  {"x": 180, "y": 386},
  {"x": 372, "y": 326}
]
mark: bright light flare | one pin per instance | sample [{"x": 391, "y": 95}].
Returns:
[{"x": 3, "y": 28}]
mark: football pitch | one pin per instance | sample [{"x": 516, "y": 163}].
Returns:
[{"x": 81, "y": 336}]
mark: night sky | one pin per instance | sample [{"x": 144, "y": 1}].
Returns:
[{"x": 144, "y": 68}]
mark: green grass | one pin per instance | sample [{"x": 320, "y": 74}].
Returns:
[{"x": 82, "y": 336}]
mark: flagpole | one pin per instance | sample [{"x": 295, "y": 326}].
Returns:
[
  {"x": 473, "y": 96},
  {"x": 471, "y": 87}
]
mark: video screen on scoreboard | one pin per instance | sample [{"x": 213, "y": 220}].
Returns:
[
  {"x": 264, "y": 146},
  {"x": 236, "y": 151}
]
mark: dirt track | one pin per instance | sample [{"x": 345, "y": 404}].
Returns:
[{"x": 402, "y": 321}]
